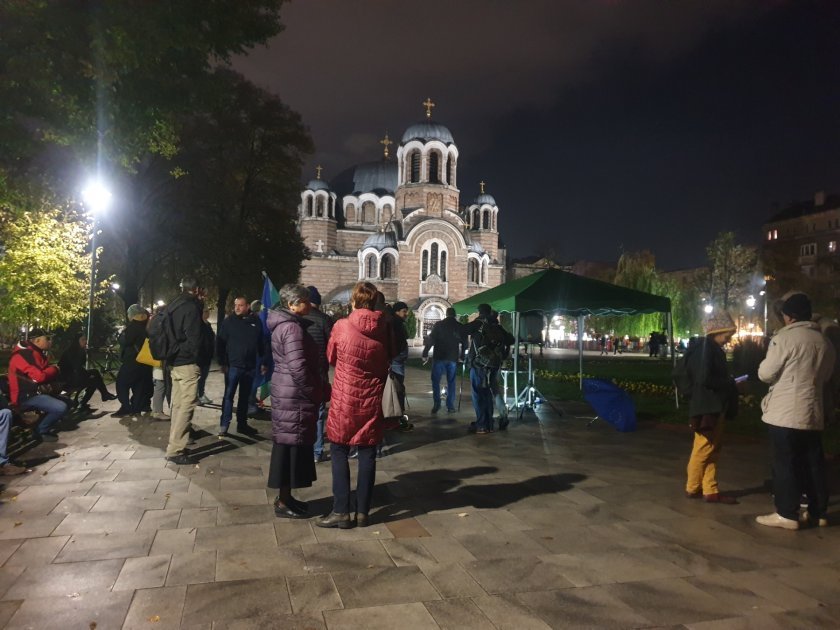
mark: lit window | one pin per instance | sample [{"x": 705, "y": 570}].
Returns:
[
  {"x": 832, "y": 246},
  {"x": 775, "y": 234},
  {"x": 770, "y": 235}
]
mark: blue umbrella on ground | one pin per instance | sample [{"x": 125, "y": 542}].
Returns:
[{"x": 611, "y": 403}]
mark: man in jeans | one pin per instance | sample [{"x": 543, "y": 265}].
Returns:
[
  {"x": 447, "y": 338},
  {"x": 7, "y": 468},
  {"x": 29, "y": 368},
  {"x": 185, "y": 311},
  {"x": 239, "y": 345}
]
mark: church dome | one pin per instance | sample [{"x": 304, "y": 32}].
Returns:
[
  {"x": 485, "y": 198},
  {"x": 426, "y": 131},
  {"x": 381, "y": 240},
  {"x": 317, "y": 184},
  {"x": 372, "y": 177}
]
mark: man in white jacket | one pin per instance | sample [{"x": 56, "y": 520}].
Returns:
[{"x": 799, "y": 361}]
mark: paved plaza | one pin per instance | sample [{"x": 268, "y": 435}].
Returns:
[{"x": 554, "y": 523}]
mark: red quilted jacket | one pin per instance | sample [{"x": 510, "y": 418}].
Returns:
[{"x": 361, "y": 352}]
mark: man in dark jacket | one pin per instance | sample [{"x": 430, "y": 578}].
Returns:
[
  {"x": 185, "y": 312},
  {"x": 320, "y": 330},
  {"x": 205, "y": 355},
  {"x": 239, "y": 349},
  {"x": 134, "y": 380},
  {"x": 29, "y": 369},
  {"x": 447, "y": 338},
  {"x": 75, "y": 374},
  {"x": 489, "y": 346},
  {"x": 400, "y": 314}
]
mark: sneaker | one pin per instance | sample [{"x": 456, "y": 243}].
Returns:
[
  {"x": 47, "y": 436},
  {"x": 805, "y": 520},
  {"x": 451, "y": 411},
  {"x": 776, "y": 520},
  {"x": 222, "y": 434},
  {"x": 8, "y": 469},
  {"x": 159, "y": 415},
  {"x": 203, "y": 400},
  {"x": 247, "y": 430},
  {"x": 181, "y": 459},
  {"x": 109, "y": 396},
  {"x": 484, "y": 431},
  {"x": 121, "y": 413}
]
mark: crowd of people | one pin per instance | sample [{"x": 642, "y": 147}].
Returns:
[{"x": 166, "y": 355}]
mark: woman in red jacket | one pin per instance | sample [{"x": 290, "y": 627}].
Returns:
[{"x": 360, "y": 350}]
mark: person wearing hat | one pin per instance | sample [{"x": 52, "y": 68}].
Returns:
[
  {"x": 798, "y": 364},
  {"x": 702, "y": 376},
  {"x": 29, "y": 372},
  {"x": 134, "y": 380},
  {"x": 319, "y": 330}
]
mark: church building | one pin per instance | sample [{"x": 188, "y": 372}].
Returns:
[{"x": 398, "y": 222}]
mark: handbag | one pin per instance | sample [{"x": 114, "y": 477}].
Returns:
[
  {"x": 144, "y": 356},
  {"x": 391, "y": 408}
]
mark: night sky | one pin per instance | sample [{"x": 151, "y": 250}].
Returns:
[{"x": 599, "y": 126}]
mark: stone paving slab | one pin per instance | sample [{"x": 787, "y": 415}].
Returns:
[{"x": 553, "y": 524}]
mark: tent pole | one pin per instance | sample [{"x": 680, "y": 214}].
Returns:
[
  {"x": 515, "y": 316},
  {"x": 580, "y": 350},
  {"x": 670, "y": 320}
]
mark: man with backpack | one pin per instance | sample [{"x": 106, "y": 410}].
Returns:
[
  {"x": 175, "y": 337},
  {"x": 489, "y": 345}
]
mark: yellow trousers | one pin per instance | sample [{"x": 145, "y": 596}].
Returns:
[{"x": 702, "y": 465}]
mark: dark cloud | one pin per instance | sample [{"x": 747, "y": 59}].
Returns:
[{"x": 596, "y": 124}]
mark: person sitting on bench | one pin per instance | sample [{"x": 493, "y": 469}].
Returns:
[{"x": 77, "y": 376}]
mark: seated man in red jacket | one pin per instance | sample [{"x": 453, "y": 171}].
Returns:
[{"x": 29, "y": 368}]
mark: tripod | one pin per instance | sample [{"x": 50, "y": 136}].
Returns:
[{"x": 530, "y": 397}]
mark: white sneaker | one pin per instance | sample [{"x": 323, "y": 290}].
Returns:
[
  {"x": 159, "y": 415},
  {"x": 775, "y": 520},
  {"x": 203, "y": 400}
]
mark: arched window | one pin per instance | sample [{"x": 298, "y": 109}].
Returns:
[
  {"x": 433, "y": 259},
  {"x": 370, "y": 266},
  {"x": 472, "y": 270},
  {"x": 368, "y": 213},
  {"x": 309, "y": 206},
  {"x": 485, "y": 223},
  {"x": 449, "y": 169},
  {"x": 476, "y": 222},
  {"x": 442, "y": 271},
  {"x": 386, "y": 266},
  {"x": 424, "y": 269},
  {"x": 350, "y": 215},
  {"x": 484, "y": 272},
  {"x": 386, "y": 214},
  {"x": 319, "y": 206},
  {"x": 331, "y": 207},
  {"x": 415, "y": 167},
  {"x": 434, "y": 167}
]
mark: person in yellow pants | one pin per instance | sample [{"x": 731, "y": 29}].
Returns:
[{"x": 702, "y": 377}]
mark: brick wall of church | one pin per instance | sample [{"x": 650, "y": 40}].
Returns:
[{"x": 329, "y": 273}]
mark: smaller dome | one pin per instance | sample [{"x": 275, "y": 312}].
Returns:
[
  {"x": 317, "y": 184},
  {"x": 381, "y": 240},
  {"x": 426, "y": 131},
  {"x": 485, "y": 198}
]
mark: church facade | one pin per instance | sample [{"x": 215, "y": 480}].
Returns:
[{"x": 398, "y": 222}]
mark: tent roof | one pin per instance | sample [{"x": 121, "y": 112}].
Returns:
[{"x": 557, "y": 291}]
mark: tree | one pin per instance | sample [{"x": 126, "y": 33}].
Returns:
[
  {"x": 731, "y": 267},
  {"x": 242, "y": 165},
  {"x": 637, "y": 270},
  {"x": 45, "y": 269}
]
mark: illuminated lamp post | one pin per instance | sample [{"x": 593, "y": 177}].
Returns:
[{"x": 97, "y": 198}]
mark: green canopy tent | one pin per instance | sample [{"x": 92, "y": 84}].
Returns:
[{"x": 559, "y": 292}]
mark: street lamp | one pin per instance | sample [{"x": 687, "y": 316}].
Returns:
[
  {"x": 97, "y": 198},
  {"x": 708, "y": 309}
]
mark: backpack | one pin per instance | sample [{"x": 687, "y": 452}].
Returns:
[
  {"x": 163, "y": 343},
  {"x": 491, "y": 352}
]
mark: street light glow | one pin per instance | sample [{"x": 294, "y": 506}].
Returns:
[
  {"x": 96, "y": 197},
  {"x": 708, "y": 308},
  {"x": 160, "y": 303},
  {"x": 751, "y": 301},
  {"x": 115, "y": 286}
]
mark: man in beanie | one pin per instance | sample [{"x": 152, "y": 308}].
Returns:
[
  {"x": 798, "y": 364},
  {"x": 134, "y": 380},
  {"x": 320, "y": 330},
  {"x": 703, "y": 378}
]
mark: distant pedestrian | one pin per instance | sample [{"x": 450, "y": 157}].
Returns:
[
  {"x": 240, "y": 350},
  {"x": 361, "y": 350},
  {"x": 799, "y": 363},
  {"x": 297, "y": 391},
  {"x": 449, "y": 344},
  {"x": 185, "y": 313},
  {"x": 702, "y": 377}
]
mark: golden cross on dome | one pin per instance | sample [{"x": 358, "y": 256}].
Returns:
[
  {"x": 318, "y": 170},
  {"x": 385, "y": 142},
  {"x": 429, "y": 106},
  {"x": 481, "y": 185}
]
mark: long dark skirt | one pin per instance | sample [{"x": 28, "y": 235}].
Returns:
[{"x": 291, "y": 466}]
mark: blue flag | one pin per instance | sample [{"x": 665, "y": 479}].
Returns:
[{"x": 270, "y": 297}]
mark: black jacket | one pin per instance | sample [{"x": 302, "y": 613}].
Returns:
[
  {"x": 72, "y": 364},
  {"x": 186, "y": 319},
  {"x": 208, "y": 344},
  {"x": 703, "y": 378},
  {"x": 131, "y": 340},
  {"x": 473, "y": 329},
  {"x": 448, "y": 340},
  {"x": 240, "y": 341},
  {"x": 320, "y": 332}
]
